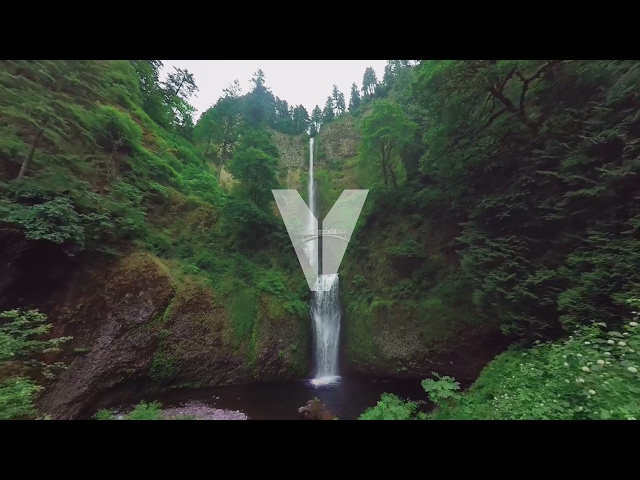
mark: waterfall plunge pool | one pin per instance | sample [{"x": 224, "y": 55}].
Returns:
[{"x": 346, "y": 397}]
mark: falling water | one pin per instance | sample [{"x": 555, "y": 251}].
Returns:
[
  {"x": 325, "y": 304},
  {"x": 312, "y": 246},
  {"x": 325, "y": 314}
]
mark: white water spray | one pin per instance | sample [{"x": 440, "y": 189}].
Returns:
[
  {"x": 325, "y": 304},
  {"x": 325, "y": 314}
]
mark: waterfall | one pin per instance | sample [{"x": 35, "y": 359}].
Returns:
[
  {"x": 312, "y": 246},
  {"x": 325, "y": 303},
  {"x": 325, "y": 314}
]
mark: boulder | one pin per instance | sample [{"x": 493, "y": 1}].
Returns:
[{"x": 316, "y": 410}]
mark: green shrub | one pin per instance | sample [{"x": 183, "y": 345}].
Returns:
[
  {"x": 592, "y": 375},
  {"x": 390, "y": 407},
  {"x": 114, "y": 129},
  {"x": 273, "y": 282},
  {"x": 142, "y": 411},
  {"x": 146, "y": 411},
  {"x": 243, "y": 314},
  {"x": 19, "y": 333},
  {"x": 163, "y": 365},
  {"x": 104, "y": 414}
]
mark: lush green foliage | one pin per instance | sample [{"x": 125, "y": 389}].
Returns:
[
  {"x": 593, "y": 375},
  {"x": 254, "y": 164},
  {"x": 142, "y": 411},
  {"x": 519, "y": 194},
  {"x": 537, "y": 159},
  {"x": 391, "y": 407},
  {"x": 501, "y": 192},
  {"x": 386, "y": 130},
  {"x": 442, "y": 392},
  {"x": 116, "y": 167},
  {"x": 21, "y": 335},
  {"x": 528, "y": 168},
  {"x": 63, "y": 198}
]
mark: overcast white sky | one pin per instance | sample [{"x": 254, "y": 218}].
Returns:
[{"x": 306, "y": 82}]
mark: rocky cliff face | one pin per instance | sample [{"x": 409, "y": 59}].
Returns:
[
  {"x": 294, "y": 159},
  {"x": 139, "y": 326},
  {"x": 120, "y": 233},
  {"x": 338, "y": 141},
  {"x": 294, "y": 150}
]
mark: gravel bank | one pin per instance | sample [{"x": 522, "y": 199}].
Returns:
[{"x": 203, "y": 412}]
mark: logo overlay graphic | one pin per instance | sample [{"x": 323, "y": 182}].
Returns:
[{"x": 337, "y": 228}]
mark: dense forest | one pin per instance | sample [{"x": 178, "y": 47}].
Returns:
[{"x": 495, "y": 258}]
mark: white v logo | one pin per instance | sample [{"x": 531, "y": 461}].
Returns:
[{"x": 337, "y": 228}]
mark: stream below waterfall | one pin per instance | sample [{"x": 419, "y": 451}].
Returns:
[{"x": 347, "y": 398}]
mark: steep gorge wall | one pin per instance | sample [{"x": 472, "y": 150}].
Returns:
[
  {"x": 403, "y": 316},
  {"x": 294, "y": 159},
  {"x": 145, "y": 324},
  {"x": 338, "y": 141},
  {"x": 140, "y": 325}
]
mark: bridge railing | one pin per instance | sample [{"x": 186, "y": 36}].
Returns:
[{"x": 330, "y": 231}]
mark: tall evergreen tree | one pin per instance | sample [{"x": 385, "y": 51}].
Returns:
[
  {"x": 391, "y": 70},
  {"x": 300, "y": 119},
  {"x": 316, "y": 118},
  {"x": 354, "y": 101},
  {"x": 178, "y": 88},
  {"x": 328, "y": 113},
  {"x": 218, "y": 128},
  {"x": 260, "y": 101},
  {"x": 369, "y": 81},
  {"x": 337, "y": 99},
  {"x": 152, "y": 94}
]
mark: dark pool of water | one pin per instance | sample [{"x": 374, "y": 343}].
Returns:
[{"x": 347, "y": 398}]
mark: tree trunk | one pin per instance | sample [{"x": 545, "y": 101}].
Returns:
[
  {"x": 393, "y": 176},
  {"x": 223, "y": 154},
  {"x": 177, "y": 92},
  {"x": 219, "y": 169},
  {"x": 32, "y": 150},
  {"x": 389, "y": 167},
  {"x": 510, "y": 107},
  {"x": 384, "y": 171},
  {"x": 383, "y": 162}
]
